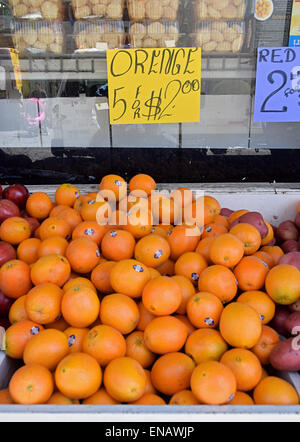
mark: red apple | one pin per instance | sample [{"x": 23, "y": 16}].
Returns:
[
  {"x": 4, "y": 322},
  {"x": 17, "y": 193},
  {"x": 34, "y": 224},
  {"x": 7, "y": 252},
  {"x": 5, "y": 304},
  {"x": 278, "y": 322},
  {"x": 8, "y": 209}
]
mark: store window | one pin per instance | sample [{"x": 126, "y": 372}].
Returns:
[{"x": 63, "y": 99}]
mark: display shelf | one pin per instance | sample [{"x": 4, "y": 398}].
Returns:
[{"x": 93, "y": 67}]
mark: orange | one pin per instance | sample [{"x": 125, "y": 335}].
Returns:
[
  {"x": 149, "y": 399},
  {"x": 113, "y": 187},
  {"x": 162, "y": 296},
  {"x": 172, "y": 373},
  {"x": 71, "y": 216},
  {"x": 91, "y": 230},
  {"x": 240, "y": 325},
  {"x": 15, "y": 230},
  {"x": 167, "y": 268},
  {"x": 101, "y": 397},
  {"x": 204, "y": 248},
  {"x": 142, "y": 182},
  {"x": 245, "y": 366},
  {"x": 223, "y": 220},
  {"x": 261, "y": 302},
  {"x": 66, "y": 195},
  {"x": 205, "y": 345},
  {"x": 149, "y": 386},
  {"x": 186, "y": 322},
  {"x": 204, "y": 310},
  {"x": 17, "y": 311},
  {"x": 59, "y": 399},
  {"x": 153, "y": 273},
  {"x": 39, "y": 205},
  {"x": 28, "y": 250},
  {"x": 136, "y": 349},
  {"x": 97, "y": 211},
  {"x": 31, "y": 385},
  {"x": 84, "y": 199},
  {"x": 104, "y": 343},
  {"x": 47, "y": 348},
  {"x": 183, "y": 196},
  {"x": 268, "y": 340},
  {"x": 125, "y": 379},
  {"x": 77, "y": 283},
  {"x": 43, "y": 303},
  {"x": 5, "y": 397},
  {"x": 75, "y": 338},
  {"x": 226, "y": 250},
  {"x": 184, "y": 397},
  {"x": 130, "y": 201},
  {"x": 213, "y": 383},
  {"x": 265, "y": 257},
  {"x": 80, "y": 306},
  {"x": 165, "y": 334},
  {"x": 183, "y": 239},
  {"x": 283, "y": 284},
  {"x": 54, "y": 227},
  {"x": 249, "y": 236},
  {"x": 117, "y": 220},
  {"x": 118, "y": 245},
  {"x": 166, "y": 211},
  {"x": 152, "y": 250},
  {"x": 78, "y": 376},
  {"x": 190, "y": 265},
  {"x": 251, "y": 273},
  {"x": 270, "y": 235},
  {"x": 139, "y": 222},
  {"x": 60, "y": 325},
  {"x": 83, "y": 255},
  {"x": 145, "y": 317},
  {"x": 129, "y": 277},
  {"x": 275, "y": 251},
  {"x": 120, "y": 312},
  {"x": 214, "y": 230},
  {"x": 162, "y": 230},
  {"x": 241, "y": 398},
  {"x": 18, "y": 335},
  {"x": 187, "y": 291},
  {"x": 53, "y": 268},
  {"x": 202, "y": 211},
  {"x": 220, "y": 281},
  {"x": 15, "y": 279},
  {"x": 275, "y": 391},
  {"x": 100, "y": 277},
  {"x": 55, "y": 245}
]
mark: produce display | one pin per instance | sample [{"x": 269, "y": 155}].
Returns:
[
  {"x": 153, "y": 10},
  {"x": 117, "y": 298},
  {"x": 38, "y": 9},
  {"x": 108, "y": 9},
  {"x": 153, "y": 34},
  {"x": 220, "y": 37},
  {"x": 38, "y": 36},
  {"x": 220, "y": 9},
  {"x": 99, "y": 35}
]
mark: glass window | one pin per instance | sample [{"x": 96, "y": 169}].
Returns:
[{"x": 54, "y": 91}]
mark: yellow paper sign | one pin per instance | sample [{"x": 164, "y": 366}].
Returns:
[
  {"x": 17, "y": 70},
  {"x": 149, "y": 86}
]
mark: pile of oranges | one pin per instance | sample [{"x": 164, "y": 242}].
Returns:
[{"x": 142, "y": 313}]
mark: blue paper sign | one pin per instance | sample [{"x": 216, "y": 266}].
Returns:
[{"x": 277, "y": 96}]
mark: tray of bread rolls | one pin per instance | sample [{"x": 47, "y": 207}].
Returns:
[
  {"x": 153, "y": 10},
  {"x": 98, "y": 9},
  {"x": 99, "y": 35},
  {"x": 226, "y": 37},
  {"x": 49, "y": 10},
  {"x": 221, "y": 9},
  {"x": 38, "y": 37},
  {"x": 153, "y": 34}
]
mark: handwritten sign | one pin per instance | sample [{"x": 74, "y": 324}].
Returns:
[
  {"x": 148, "y": 86},
  {"x": 277, "y": 96}
]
